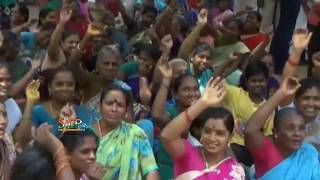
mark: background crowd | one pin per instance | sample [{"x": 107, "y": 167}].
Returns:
[{"x": 164, "y": 89}]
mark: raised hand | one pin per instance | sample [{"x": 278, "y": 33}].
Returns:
[
  {"x": 289, "y": 86},
  {"x": 165, "y": 68},
  {"x": 32, "y": 91},
  {"x": 203, "y": 17},
  {"x": 43, "y": 136},
  {"x": 95, "y": 29},
  {"x": 65, "y": 14},
  {"x": 166, "y": 43},
  {"x": 301, "y": 39},
  {"x": 96, "y": 171},
  {"x": 35, "y": 64},
  {"x": 214, "y": 92},
  {"x": 68, "y": 111}
]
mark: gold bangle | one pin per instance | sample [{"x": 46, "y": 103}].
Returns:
[{"x": 61, "y": 148}]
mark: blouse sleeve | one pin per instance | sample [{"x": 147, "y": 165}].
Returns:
[{"x": 266, "y": 157}]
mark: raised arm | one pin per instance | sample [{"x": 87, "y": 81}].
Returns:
[
  {"x": 171, "y": 134},
  {"x": 43, "y": 136},
  {"x": 145, "y": 87},
  {"x": 159, "y": 105},
  {"x": 164, "y": 22},
  {"x": 21, "y": 85},
  {"x": 54, "y": 45},
  {"x": 229, "y": 65},
  {"x": 252, "y": 134},
  {"x": 300, "y": 39},
  {"x": 22, "y": 133},
  {"x": 76, "y": 56},
  {"x": 24, "y": 26},
  {"x": 188, "y": 44}
]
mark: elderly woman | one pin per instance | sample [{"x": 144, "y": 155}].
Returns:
[{"x": 284, "y": 156}]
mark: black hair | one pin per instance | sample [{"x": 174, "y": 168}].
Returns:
[
  {"x": 256, "y": 68},
  {"x": 53, "y": 72},
  {"x": 307, "y": 84},
  {"x": 150, "y": 9},
  {"x": 72, "y": 139},
  {"x": 178, "y": 81},
  {"x": 43, "y": 13},
  {"x": 284, "y": 114},
  {"x": 152, "y": 51},
  {"x": 183, "y": 23},
  {"x": 256, "y": 14},
  {"x": 200, "y": 47},
  {"x": 10, "y": 40},
  {"x": 215, "y": 113},
  {"x": 115, "y": 87},
  {"x": 67, "y": 33},
  {"x": 24, "y": 11},
  {"x": 3, "y": 64},
  {"x": 48, "y": 26},
  {"x": 34, "y": 163}
]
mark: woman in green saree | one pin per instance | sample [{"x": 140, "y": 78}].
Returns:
[{"x": 124, "y": 148}]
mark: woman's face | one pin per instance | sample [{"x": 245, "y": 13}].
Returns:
[
  {"x": 188, "y": 92},
  {"x": 257, "y": 84},
  {"x": 268, "y": 61},
  {"x": 5, "y": 82},
  {"x": 51, "y": 17},
  {"x": 63, "y": 86},
  {"x": 215, "y": 136},
  {"x": 175, "y": 26},
  {"x": 200, "y": 60},
  {"x": 84, "y": 155},
  {"x": 16, "y": 17},
  {"x": 70, "y": 43},
  {"x": 291, "y": 132},
  {"x": 309, "y": 103},
  {"x": 108, "y": 68},
  {"x": 232, "y": 30},
  {"x": 76, "y": 11},
  {"x": 3, "y": 120},
  {"x": 114, "y": 107},
  {"x": 251, "y": 22}
]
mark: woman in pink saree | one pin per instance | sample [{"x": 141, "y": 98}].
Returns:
[{"x": 211, "y": 160}]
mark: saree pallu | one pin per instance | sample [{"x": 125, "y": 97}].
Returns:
[
  {"x": 126, "y": 153},
  {"x": 300, "y": 165},
  {"x": 227, "y": 169}
]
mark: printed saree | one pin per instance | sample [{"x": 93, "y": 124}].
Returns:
[
  {"x": 227, "y": 169},
  {"x": 302, "y": 164},
  {"x": 126, "y": 153}
]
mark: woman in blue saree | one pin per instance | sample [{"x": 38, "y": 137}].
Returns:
[{"x": 284, "y": 156}]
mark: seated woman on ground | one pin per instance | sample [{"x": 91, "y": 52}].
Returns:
[
  {"x": 284, "y": 155},
  {"x": 211, "y": 161}
]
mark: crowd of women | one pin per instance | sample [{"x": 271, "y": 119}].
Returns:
[{"x": 164, "y": 89}]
